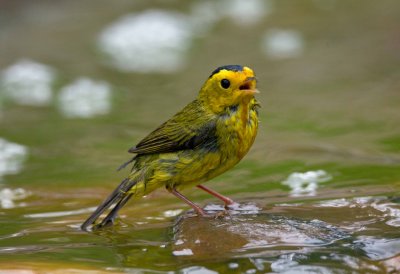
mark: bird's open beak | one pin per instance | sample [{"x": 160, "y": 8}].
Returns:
[
  {"x": 252, "y": 91},
  {"x": 248, "y": 88}
]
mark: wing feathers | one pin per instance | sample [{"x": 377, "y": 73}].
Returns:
[{"x": 188, "y": 129}]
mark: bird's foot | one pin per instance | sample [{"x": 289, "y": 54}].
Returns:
[
  {"x": 221, "y": 214},
  {"x": 202, "y": 213}
]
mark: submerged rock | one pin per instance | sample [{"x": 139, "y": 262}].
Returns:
[{"x": 247, "y": 227}]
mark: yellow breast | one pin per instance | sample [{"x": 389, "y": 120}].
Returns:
[{"x": 237, "y": 131}]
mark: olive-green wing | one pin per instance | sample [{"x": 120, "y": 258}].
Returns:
[{"x": 188, "y": 129}]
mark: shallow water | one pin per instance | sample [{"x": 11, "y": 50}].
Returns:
[{"x": 318, "y": 192}]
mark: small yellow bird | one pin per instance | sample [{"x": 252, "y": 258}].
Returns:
[{"x": 206, "y": 138}]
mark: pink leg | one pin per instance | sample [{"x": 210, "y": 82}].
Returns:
[
  {"x": 199, "y": 210},
  {"x": 226, "y": 200}
]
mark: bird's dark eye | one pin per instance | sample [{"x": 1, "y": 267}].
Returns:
[{"x": 225, "y": 83}]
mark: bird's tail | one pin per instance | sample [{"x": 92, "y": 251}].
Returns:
[{"x": 119, "y": 197}]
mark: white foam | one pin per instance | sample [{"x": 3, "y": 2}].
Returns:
[
  {"x": 246, "y": 13},
  {"x": 241, "y": 13},
  {"x": 179, "y": 242},
  {"x": 235, "y": 208},
  {"x": 204, "y": 15},
  {"x": 159, "y": 40},
  {"x": 233, "y": 265},
  {"x": 197, "y": 270},
  {"x": 85, "y": 98},
  {"x": 151, "y": 41},
  {"x": 28, "y": 83},
  {"x": 12, "y": 156},
  {"x": 183, "y": 252},
  {"x": 306, "y": 184},
  {"x": 8, "y": 197},
  {"x": 172, "y": 213},
  {"x": 282, "y": 44}
]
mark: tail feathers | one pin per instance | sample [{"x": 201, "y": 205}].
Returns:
[
  {"x": 118, "y": 197},
  {"x": 109, "y": 219}
]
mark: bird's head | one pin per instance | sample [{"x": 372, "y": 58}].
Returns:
[{"x": 227, "y": 86}]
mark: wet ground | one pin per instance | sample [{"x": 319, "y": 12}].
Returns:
[{"x": 318, "y": 193}]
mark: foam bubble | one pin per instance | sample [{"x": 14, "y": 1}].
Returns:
[
  {"x": 85, "y": 98},
  {"x": 241, "y": 13},
  {"x": 282, "y": 44},
  {"x": 246, "y": 13},
  {"x": 12, "y": 156},
  {"x": 306, "y": 184},
  {"x": 151, "y": 41},
  {"x": 204, "y": 15},
  {"x": 183, "y": 252},
  {"x": 172, "y": 213},
  {"x": 197, "y": 270},
  {"x": 28, "y": 83},
  {"x": 8, "y": 197}
]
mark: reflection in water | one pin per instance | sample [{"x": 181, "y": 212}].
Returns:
[
  {"x": 28, "y": 83},
  {"x": 306, "y": 184},
  {"x": 61, "y": 213},
  {"x": 390, "y": 211},
  {"x": 287, "y": 264},
  {"x": 378, "y": 248},
  {"x": 85, "y": 98}
]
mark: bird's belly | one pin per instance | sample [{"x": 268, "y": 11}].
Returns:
[
  {"x": 187, "y": 168},
  {"x": 236, "y": 137}
]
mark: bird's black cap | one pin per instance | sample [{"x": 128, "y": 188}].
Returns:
[{"x": 228, "y": 67}]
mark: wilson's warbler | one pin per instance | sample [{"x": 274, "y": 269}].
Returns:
[{"x": 206, "y": 138}]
